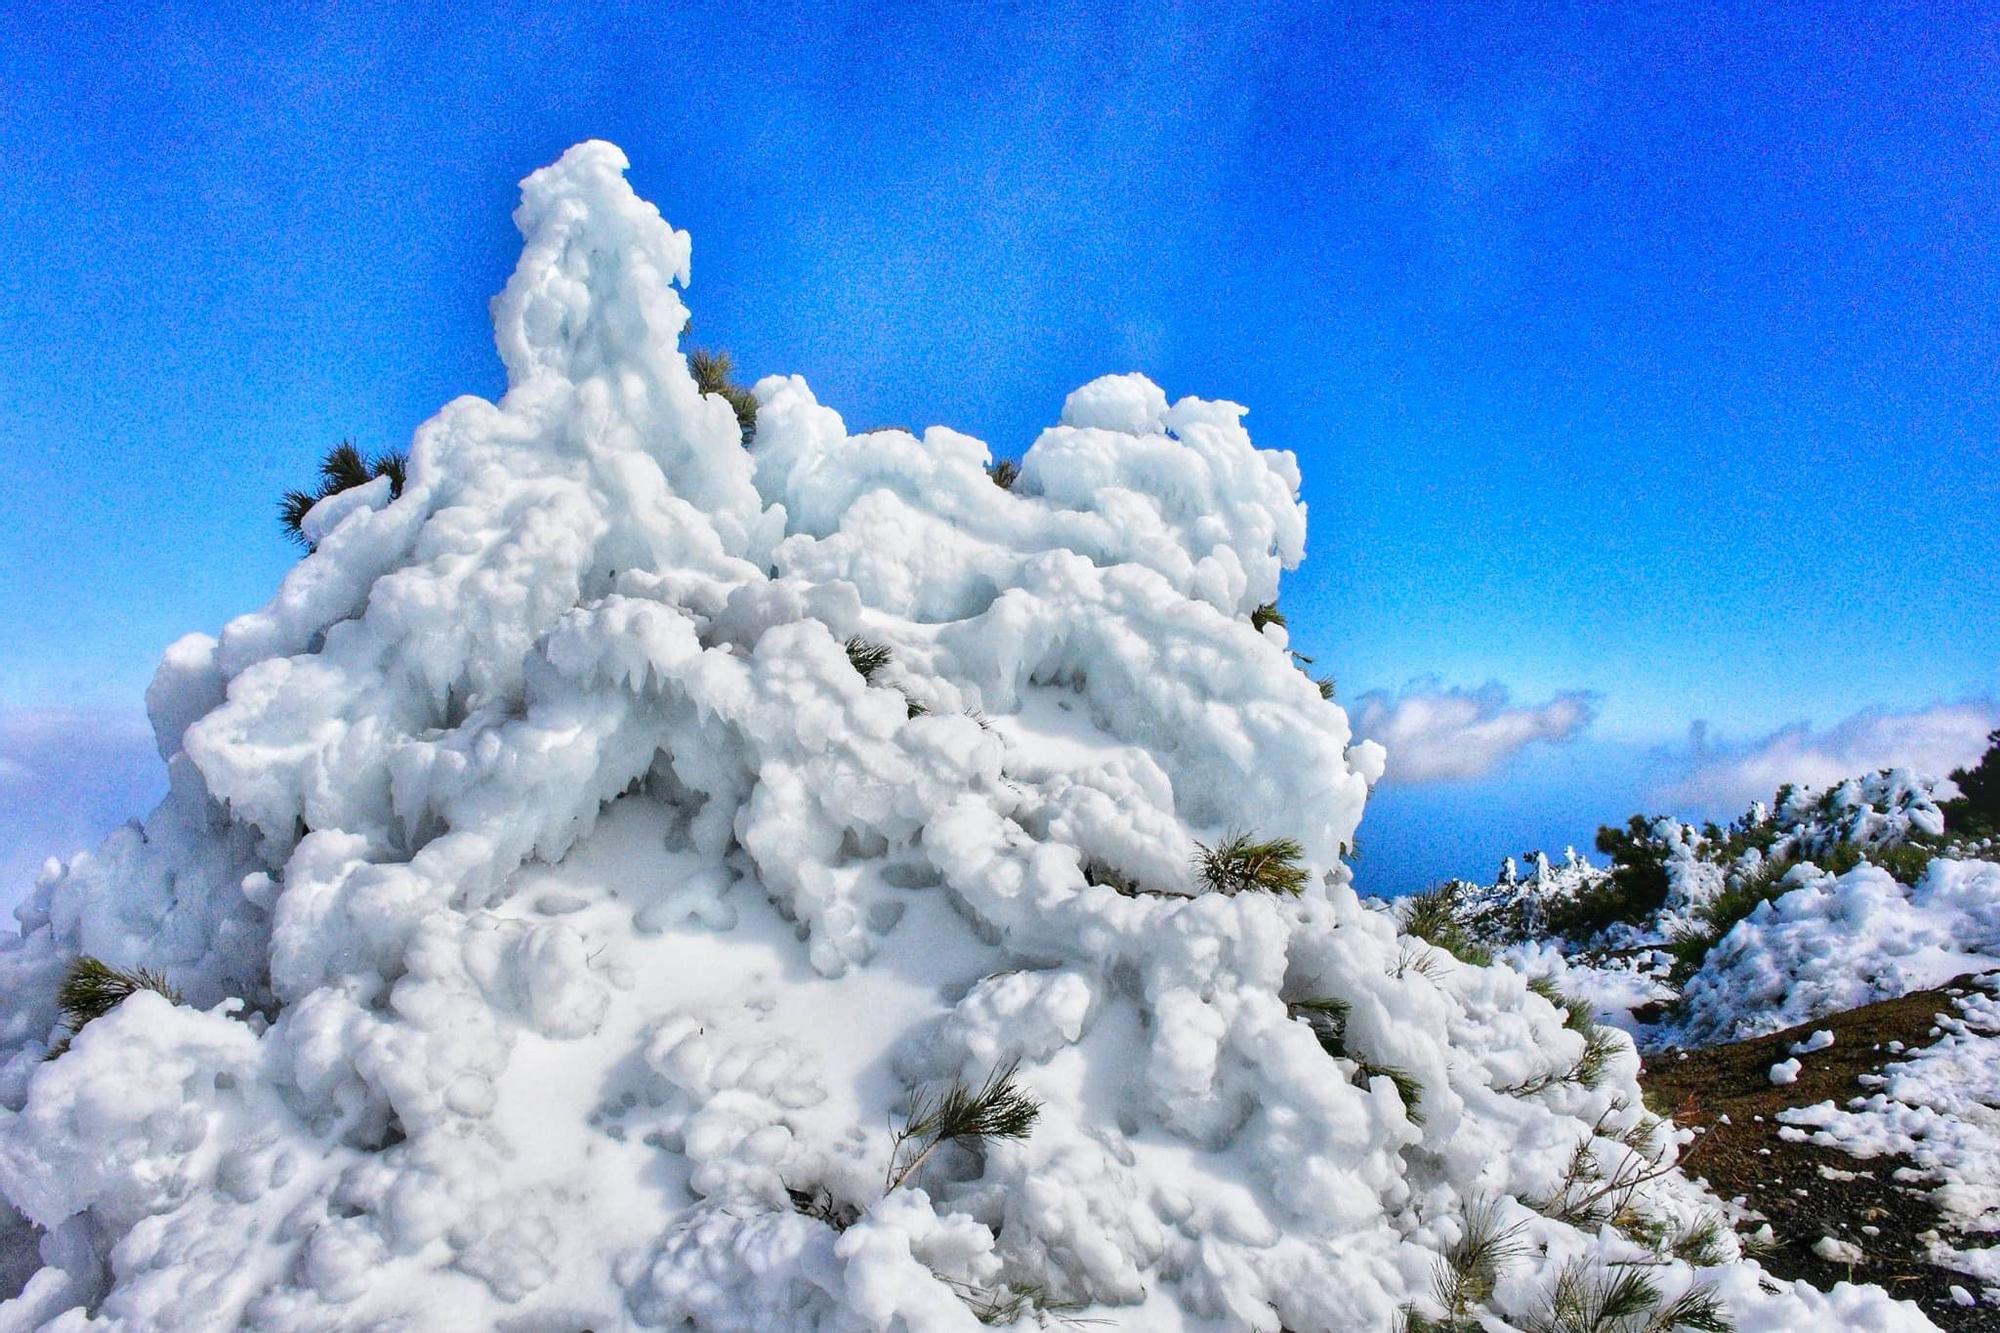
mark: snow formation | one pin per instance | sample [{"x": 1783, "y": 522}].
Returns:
[{"x": 555, "y": 904}]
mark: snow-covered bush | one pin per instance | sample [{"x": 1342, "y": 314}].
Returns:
[{"x": 563, "y": 914}]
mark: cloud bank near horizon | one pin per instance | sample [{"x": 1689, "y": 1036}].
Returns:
[
  {"x": 1932, "y": 741},
  {"x": 1435, "y": 733}
]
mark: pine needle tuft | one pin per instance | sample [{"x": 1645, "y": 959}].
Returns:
[
  {"x": 1241, "y": 863},
  {"x": 714, "y": 374},
  {"x": 1267, "y": 614},
  {"x": 92, "y": 988},
  {"x": 867, "y": 657},
  {"x": 342, "y": 469},
  {"x": 997, "y": 1109},
  {"x": 1005, "y": 472},
  {"x": 1469, "y": 1270}
]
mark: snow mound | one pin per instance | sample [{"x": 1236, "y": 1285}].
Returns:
[
  {"x": 1834, "y": 943},
  {"x": 563, "y": 918}
]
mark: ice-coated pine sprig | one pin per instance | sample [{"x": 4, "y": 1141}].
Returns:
[{"x": 867, "y": 657}]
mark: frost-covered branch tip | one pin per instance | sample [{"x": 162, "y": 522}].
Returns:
[
  {"x": 342, "y": 469},
  {"x": 714, "y": 374},
  {"x": 1468, "y": 1271},
  {"x": 92, "y": 988},
  {"x": 997, "y": 1109},
  {"x": 1241, "y": 863},
  {"x": 867, "y": 657},
  {"x": 1620, "y": 1299}
]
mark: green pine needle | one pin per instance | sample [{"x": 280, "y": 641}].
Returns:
[
  {"x": 1698, "y": 1308},
  {"x": 1267, "y": 614},
  {"x": 1005, "y": 472},
  {"x": 867, "y": 657},
  {"x": 1241, "y": 863},
  {"x": 342, "y": 469},
  {"x": 92, "y": 988},
  {"x": 997, "y": 1109},
  {"x": 714, "y": 374},
  {"x": 1469, "y": 1270}
]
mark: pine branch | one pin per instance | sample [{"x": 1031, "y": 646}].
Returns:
[
  {"x": 92, "y": 988},
  {"x": 867, "y": 657},
  {"x": 1240, "y": 863},
  {"x": 998, "y": 1109}
]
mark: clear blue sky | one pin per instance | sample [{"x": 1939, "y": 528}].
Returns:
[{"x": 1651, "y": 354}]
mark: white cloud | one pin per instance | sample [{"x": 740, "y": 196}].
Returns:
[
  {"x": 1433, "y": 733},
  {"x": 68, "y": 777},
  {"x": 1933, "y": 740}
]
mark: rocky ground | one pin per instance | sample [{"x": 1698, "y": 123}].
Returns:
[{"x": 1878, "y": 1213}]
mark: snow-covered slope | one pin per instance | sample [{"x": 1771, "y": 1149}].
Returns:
[
  {"x": 565, "y": 922},
  {"x": 1794, "y": 910}
]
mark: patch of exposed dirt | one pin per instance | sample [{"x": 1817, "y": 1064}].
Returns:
[{"x": 1808, "y": 1192}]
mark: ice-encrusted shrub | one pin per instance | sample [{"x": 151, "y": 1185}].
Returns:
[
  {"x": 343, "y": 469},
  {"x": 714, "y": 374},
  {"x": 1241, "y": 863},
  {"x": 1433, "y": 916}
]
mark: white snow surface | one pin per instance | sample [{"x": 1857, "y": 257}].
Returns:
[{"x": 550, "y": 896}]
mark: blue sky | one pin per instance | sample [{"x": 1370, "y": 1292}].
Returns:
[{"x": 1648, "y": 357}]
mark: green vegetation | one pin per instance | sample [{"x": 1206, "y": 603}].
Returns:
[
  {"x": 1328, "y": 1020},
  {"x": 1469, "y": 1270},
  {"x": 1764, "y": 881},
  {"x": 714, "y": 373},
  {"x": 1433, "y": 918},
  {"x": 867, "y": 657},
  {"x": 342, "y": 469},
  {"x": 1635, "y": 890},
  {"x": 1267, "y": 614},
  {"x": 1600, "y": 1046},
  {"x": 1976, "y": 812},
  {"x": 1005, "y": 472},
  {"x": 1619, "y": 1298},
  {"x": 92, "y": 988},
  {"x": 1241, "y": 863},
  {"x": 997, "y": 1109}
]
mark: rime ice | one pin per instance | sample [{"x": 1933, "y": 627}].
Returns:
[{"x": 553, "y": 899}]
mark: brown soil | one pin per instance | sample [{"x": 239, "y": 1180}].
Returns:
[{"x": 1784, "y": 1183}]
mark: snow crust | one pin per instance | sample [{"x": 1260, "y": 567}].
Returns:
[{"x": 552, "y": 898}]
